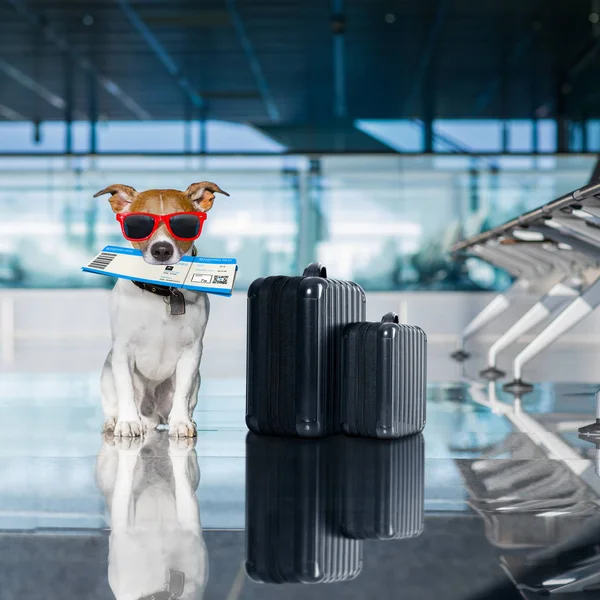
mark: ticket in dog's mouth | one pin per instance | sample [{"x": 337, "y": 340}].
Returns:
[{"x": 196, "y": 273}]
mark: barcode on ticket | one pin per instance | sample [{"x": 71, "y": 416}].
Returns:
[{"x": 102, "y": 261}]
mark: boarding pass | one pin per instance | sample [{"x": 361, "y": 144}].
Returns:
[{"x": 197, "y": 273}]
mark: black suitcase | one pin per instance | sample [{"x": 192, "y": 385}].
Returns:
[
  {"x": 293, "y": 357},
  {"x": 293, "y": 513},
  {"x": 384, "y": 374},
  {"x": 383, "y": 487}
]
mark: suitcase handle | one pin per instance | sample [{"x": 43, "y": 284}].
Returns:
[
  {"x": 315, "y": 269},
  {"x": 390, "y": 317}
]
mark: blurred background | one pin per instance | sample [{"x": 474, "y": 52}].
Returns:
[{"x": 370, "y": 135}]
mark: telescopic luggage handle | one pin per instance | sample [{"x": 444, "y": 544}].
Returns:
[
  {"x": 315, "y": 269},
  {"x": 390, "y": 317}
]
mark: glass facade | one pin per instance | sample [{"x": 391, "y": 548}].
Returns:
[{"x": 386, "y": 221}]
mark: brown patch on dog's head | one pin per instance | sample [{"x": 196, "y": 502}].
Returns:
[{"x": 199, "y": 197}]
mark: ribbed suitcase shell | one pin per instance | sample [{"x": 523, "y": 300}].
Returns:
[
  {"x": 383, "y": 483},
  {"x": 293, "y": 357},
  {"x": 293, "y": 513},
  {"x": 384, "y": 374}
]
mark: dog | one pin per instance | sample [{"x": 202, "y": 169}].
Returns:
[
  {"x": 151, "y": 376},
  {"x": 156, "y": 546}
]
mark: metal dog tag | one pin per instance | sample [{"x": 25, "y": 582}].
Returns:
[
  {"x": 176, "y": 583},
  {"x": 174, "y": 589},
  {"x": 177, "y": 302}
]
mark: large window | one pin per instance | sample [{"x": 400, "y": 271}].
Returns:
[
  {"x": 449, "y": 136},
  {"x": 386, "y": 221},
  {"x": 51, "y": 224}
]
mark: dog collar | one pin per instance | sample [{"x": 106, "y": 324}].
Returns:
[{"x": 176, "y": 298}]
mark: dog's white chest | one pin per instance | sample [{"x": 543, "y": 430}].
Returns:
[{"x": 156, "y": 338}]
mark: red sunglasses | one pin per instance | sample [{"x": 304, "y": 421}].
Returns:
[{"x": 140, "y": 226}]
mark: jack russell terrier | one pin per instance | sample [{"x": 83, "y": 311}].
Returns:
[
  {"x": 151, "y": 376},
  {"x": 156, "y": 547}
]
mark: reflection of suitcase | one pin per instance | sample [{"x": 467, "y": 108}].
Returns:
[
  {"x": 384, "y": 374},
  {"x": 383, "y": 487},
  {"x": 293, "y": 372},
  {"x": 293, "y": 514}
]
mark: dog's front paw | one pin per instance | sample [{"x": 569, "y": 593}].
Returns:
[
  {"x": 109, "y": 425},
  {"x": 184, "y": 428},
  {"x": 128, "y": 429}
]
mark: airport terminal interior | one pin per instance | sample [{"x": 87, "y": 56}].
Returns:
[{"x": 442, "y": 154}]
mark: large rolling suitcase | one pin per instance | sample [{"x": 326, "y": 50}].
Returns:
[
  {"x": 383, "y": 487},
  {"x": 384, "y": 374},
  {"x": 293, "y": 357},
  {"x": 293, "y": 513}
]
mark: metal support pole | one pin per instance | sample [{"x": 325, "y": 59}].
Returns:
[
  {"x": 494, "y": 189},
  {"x": 93, "y": 92},
  {"x": 473, "y": 189},
  {"x": 574, "y": 313},
  {"x": 428, "y": 116},
  {"x": 291, "y": 177},
  {"x": 203, "y": 140},
  {"x": 504, "y": 74},
  {"x": 562, "y": 129},
  {"x": 555, "y": 299},
  {"x": 68, "y": 61},
  {"x": 505, "y": 136},
  {"x": 494, "y": 309},
  {"x": 187, "y": 128},
  {"x": 311, "y": 224},
  {"x": 338, "y": 25}
]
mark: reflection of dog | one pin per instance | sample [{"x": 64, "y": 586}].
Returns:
[
  {"x": 156, "y": 542},
  {"x": 151, "y": 375}
]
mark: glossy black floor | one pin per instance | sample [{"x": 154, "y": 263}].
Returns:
[{"x": 498, "y": 498}]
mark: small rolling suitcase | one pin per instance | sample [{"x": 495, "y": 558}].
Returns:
[
  {"x": 383, "y": 488},
  {"x": 293, "y": 356},
  {"x": 293, "y": 513},
  {"x": 384, "y": 374}
]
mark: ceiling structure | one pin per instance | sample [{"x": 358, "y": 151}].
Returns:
[{"x": 272, "y": 62}]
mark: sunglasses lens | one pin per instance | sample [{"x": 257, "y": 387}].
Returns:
[
  {"x": 138, "y": 227},
  {"x": 185, "y": 226}
]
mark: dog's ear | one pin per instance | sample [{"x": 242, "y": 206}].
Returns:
[
  {"x": 202, "y": 194},
  {"x": 122, "y": 196}
]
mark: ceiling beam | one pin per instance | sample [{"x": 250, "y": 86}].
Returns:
[
  {"x": 32, "y": 85},
  {"x": 163, "y": 56},
  {"x": 338, "y": 26},
  {"x": 255, "y": 66},
  {"x": 8, "y": 114},
  {"x": 37, "y": 88},
  {"x": 81, "y": 61}
]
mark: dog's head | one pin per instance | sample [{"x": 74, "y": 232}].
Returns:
[{"x": 162, "y": 248}]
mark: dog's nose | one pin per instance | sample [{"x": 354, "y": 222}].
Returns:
[{"x": 162, "y": 251}]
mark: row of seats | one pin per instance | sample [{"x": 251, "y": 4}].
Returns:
[{"x": 553, "y": 253}]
